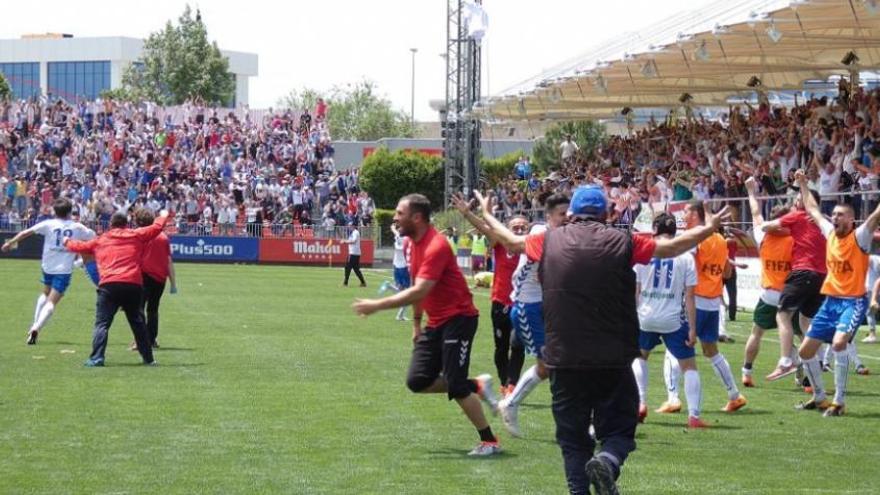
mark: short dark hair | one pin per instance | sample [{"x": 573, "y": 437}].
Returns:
[
  {"x": 62, "y": 207},
  {"x": 846, "y": 205},
  {"x": 555, "y": 200},
  {"x": 779, "y": 211},
  {"x": 143, "y": 217},
  {"x": 119, "y": 219},
  {"x": 418, "y": 203},
  {"x": 664, "y": 223},
  {"x": 699, "y": 206}
]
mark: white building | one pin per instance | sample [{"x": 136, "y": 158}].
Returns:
[{"x": 77, "y": 68}]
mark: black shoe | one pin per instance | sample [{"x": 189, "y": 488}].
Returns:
[
  {"x": 600, "y": 475},
  {"x": 725, "y": 339},
  {"x": 32, "y": 337}
]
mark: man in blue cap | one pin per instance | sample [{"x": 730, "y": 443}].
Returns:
[{"x": 592, "y": 328}]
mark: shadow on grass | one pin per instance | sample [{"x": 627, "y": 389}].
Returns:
[
  {"x": 160, "y": 365},
  {"x": 450, "y": 453},
  {"x": 871, "y": 415},
  {"x": 712, "y": 426},
  {"x": 173, "y": 349},
  {"x": 534, "y": 406},
  {"x": 861, "y": 393}
]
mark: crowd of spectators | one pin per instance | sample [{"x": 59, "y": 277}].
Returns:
[
  {"x": 220, "y": 170},
  {"x": 836, "y": 140}
]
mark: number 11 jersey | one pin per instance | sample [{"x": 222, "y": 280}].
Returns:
[{"x": 662, "y": 285}]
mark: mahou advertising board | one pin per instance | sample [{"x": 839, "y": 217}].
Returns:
[{"x": 311, "y": 251}]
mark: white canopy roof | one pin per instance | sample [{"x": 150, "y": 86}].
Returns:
[{"x": 707, "y": 56}]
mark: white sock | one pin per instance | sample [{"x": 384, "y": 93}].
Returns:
[
  {"x": 524, "y": 386},
  {"x": 640, "y": 370},
  {"x": 828, "y": 354},
  {"x": 40, "y": 302},
  {"x": 671, "y": 374},
  {"x": 814, "y": 373},
  {"x": 854, "y": 354},
  {"x": 722, "y": 370},
  {"x": 400, "y": 312},
  {"x": 841, "y": 374},
  {"x": 693, "y": 390},
  {"x": 45, "y": 314}
]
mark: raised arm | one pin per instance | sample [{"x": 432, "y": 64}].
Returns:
[
  {"x": 150, "y": 232},
  {"x": 493, "y": 229},
  {"x": 670, "y": 248},
  {"x": 807, "y": 197},
  {"x": 751, "y": 186}
]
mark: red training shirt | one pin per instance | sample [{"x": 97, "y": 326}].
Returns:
[
  {"x": 450, "y": 297},
  {"x": 119, "y": 252},
  {"x": 157, "y": 255},
  {"x": 502, "y": 282},
  {"x": 643, "y": 248},
  {"x": 808, "y": 250}
]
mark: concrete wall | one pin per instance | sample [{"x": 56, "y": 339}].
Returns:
[{"x": 351, "y": 153}]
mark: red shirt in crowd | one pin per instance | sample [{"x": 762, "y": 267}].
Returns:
[
  {"x": 157, "y": 255},
  {"x": 643, "y": 248},
  {"x": 450, "y": 297},
  {"x": 502, "y": 282},
  {"x": 119, "y": 252},
  {"x": 808, "y": 250}
]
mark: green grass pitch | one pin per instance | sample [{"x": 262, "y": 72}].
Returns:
[{"x": 268, "y": 383}]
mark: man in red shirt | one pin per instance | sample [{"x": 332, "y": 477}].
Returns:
[
  {"x": 509, "y": 352},
  {"x": 157, "y": 267},
  {"x": 442, "y": 350},
  {"x": 802, "y": 286},
  {"x": 119, "y": 252}
]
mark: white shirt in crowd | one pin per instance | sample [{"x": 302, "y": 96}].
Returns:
[
  {"x": 829, "y": 183},
  {"x": 56, "y": 259},
  {"x": 662, "y": 286},
  {"x": 399, "y": 260},
  {"x": 354, "y": 238}
]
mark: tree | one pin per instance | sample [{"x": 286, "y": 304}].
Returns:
[
  {"x": 355, "y": 112},
  {"x": 5, "y": 89},
  {"x": 388, "y": 176},
  {"x": 179, "y": 63},
  {"x": 586, "y": 133}
]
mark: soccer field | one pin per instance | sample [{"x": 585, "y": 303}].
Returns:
[{"x": 267, "y": 383}]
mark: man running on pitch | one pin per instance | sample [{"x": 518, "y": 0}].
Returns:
[{"x": 57, "y": 262}]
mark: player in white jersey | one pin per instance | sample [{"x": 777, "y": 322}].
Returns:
[
  {"x": 667, "y": 312},
  {"x": 57, "y": 261},
  {"x": 401, "y": 269}
]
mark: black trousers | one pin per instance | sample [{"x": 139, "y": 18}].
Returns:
[
  {"x": 153, "y": 290},
  {"x": 606, "y": 397},
  {"x": 111, "y": 297},
  {"x": 730, "y": 285},
  {"x": 444, "y": 351},
  {"x": 509, "y": 351},
  {"x": 354, "y": 263}
]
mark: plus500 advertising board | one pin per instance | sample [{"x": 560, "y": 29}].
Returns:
[{"x": 206, "y": 248}]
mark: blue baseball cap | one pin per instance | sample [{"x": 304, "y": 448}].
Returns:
[{"x": 588, "y": 200}]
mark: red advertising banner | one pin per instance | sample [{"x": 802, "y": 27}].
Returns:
[{"x": 311, "y": 251}]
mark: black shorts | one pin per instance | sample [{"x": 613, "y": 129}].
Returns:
[
  {"x": 802, "y": 292},
  {"x": 444, "y": 351}
]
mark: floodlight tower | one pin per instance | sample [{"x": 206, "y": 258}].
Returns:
[{"x": 460, "y": 125}]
